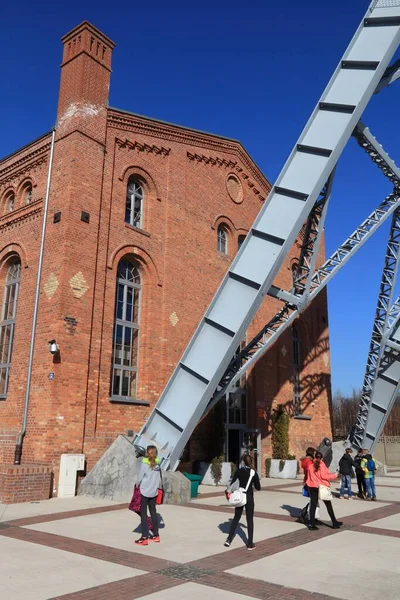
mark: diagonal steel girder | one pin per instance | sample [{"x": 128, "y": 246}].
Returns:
[
  {"x": 380, "y": 327},
  {"x": 289, "y": 312}
]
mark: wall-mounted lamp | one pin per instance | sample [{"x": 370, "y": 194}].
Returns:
[{"x": 53, "y": 347}]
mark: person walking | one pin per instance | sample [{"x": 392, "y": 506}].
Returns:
[
  {"x": 346, "y": 464},
  {"x": 305, "y": 463},
  {"x": 319, "y": 481},
  {"x": 149, "y": 481},
  {"x": 362, "y": 488},
  {"x": 242, "y": 475},
  {"x": 369, "y": 467}
]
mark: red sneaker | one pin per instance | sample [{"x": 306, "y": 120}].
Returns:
[
  {"x": 142, "y": 541},
  {"x": 155, "y": 538}
]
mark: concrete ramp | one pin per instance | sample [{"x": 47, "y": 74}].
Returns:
[{"x": 113, "y": 477}]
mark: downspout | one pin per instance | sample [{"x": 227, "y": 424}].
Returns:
[{"x": 21, "y": 435}]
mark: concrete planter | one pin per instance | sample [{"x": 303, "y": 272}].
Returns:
[
  {"x": 289, "y": 470},
  {"x": 205, "y": 471}
]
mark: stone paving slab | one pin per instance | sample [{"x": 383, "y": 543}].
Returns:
[
  {"x": 194, "y": 591},
  {"x": 348, "y": 559},
  {"x": 285, "y": 503},
  {"x": 38, "y": 573},
  {"x": 392, "y": 522},
  {"x": 9, "y": 512},
  {"x": 188, "y": 535}
]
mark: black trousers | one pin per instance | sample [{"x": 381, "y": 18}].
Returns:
[
  {"x": 151, "y": 503},
  {"x": 313, "y": 505},
  {"x": 362, "y": 487},
  {"x": 249, "y": 506}
]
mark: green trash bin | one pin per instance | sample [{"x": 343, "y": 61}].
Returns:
[{"x": 195, "y": 481}]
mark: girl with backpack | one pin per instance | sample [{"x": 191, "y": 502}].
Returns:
[
  {"x": 319, "y": 482},
  {"x": 247, "y": 478},
  {"x": 368, "y": 465},
  {"x": 149, "y": 481}
]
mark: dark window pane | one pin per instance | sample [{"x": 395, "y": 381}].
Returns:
[
  {"x": 125, "y": 383},
  {"x": 116, "y": 382}
]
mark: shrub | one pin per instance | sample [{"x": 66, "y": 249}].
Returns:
[
  {"x": 280, "y": 433},
  {"x": 216, "y": 468},
  {"x": 267, "y": 466}
]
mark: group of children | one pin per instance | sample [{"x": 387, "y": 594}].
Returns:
[
  {"x": 365, "y": 467},
  {"x": 317, "y": 482}
]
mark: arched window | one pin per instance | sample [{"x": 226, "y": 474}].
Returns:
[
  {"x": 134, "y": 203},
  {"x": 222, "y": 239},
  {"x": 241, "y": 239},
  {"x": 27, "y": 194},
  {"x": 126, "y": 331},
  {"x": 7, "y": 325},
  {"x": 297, "y": 408},
  {"x": 10, "y": 202}
]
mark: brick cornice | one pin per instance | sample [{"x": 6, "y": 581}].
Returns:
[
  {"x": 12, "y": 220},
  {"x": 142, "y": 147},
  {"x": 146, "y": 126},
  {"x": 26, "y": 163},
  {"x": 222, "y": 162}
]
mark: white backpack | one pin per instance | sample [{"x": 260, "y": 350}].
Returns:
[{"x": 238, "y": 497}]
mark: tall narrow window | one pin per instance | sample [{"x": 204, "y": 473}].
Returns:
[
  {"x": 241, "y": 239},
  {"x": 297, "y": 408},
  {"x": 28, "y": 194},
  {"x": 222, "y": 239},
  {"x": 10, "y": 202},
  {"x": 134, "y": 203},
  {"x": 126, "y": 331},
  {"x": 8, "y": 314}
]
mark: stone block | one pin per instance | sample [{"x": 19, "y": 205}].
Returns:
[
  {"x": 114, "y": 475},
  {"x": 176, "y": 488}
]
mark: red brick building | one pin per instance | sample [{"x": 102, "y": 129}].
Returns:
[{"x": 143, "y": 219}]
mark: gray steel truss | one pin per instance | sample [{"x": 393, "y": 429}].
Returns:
[
  {"x": 379, "y": 330},
  {"x": 293, "y": 197}
]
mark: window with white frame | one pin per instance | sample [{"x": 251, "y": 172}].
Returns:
[
  {"x": 134, "y": 203},
  {"x": 297, "y": 408},
  {"x": 222, "y": 239},
  {"x": 7, "y": 325},
  {"x": 126, "y": 331},
  {"x": 28, "y": 193},
  {"x": 10, "y": 202}
]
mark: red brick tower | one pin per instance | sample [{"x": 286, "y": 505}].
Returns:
[{"x": 68, "y": 278}]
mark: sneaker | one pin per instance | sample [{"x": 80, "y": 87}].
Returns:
[
  {"x": 373, "y": 498},
  {"x": 313, "y": 528},
  {"x": 341, "y": 498},
  {"x": 227, "y": 543},
  {"x": 155, "y": 538},
  {"x": 251, "y": 547},
  {"x": 142, "y": 541},
  {"x": 350, "y": 498},
  {"x": 337, "y": 525}
]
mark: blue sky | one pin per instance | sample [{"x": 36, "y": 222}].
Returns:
[{"x": 249, "y": 71}]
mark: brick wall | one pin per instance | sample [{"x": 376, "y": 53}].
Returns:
[{"x": 24, "y": 483}]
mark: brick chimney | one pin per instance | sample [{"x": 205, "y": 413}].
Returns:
[{"x": 85, "y": 82}]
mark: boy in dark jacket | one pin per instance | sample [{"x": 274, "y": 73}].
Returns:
[
  {"x": 362, "y": 488},
  {"x": 346, "y": 465}
]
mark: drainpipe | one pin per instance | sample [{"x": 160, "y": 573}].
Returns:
[{"x": 21, "y": 435}]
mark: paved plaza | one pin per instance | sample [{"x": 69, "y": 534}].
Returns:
[{"x": 83, "y": 549}]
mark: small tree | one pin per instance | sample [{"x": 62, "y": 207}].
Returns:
[{"x": 280, "y": 433}]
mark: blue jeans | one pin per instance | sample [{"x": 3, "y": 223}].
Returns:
[
  {"x": 346, "y": 483},
  {"x": 371, "y": 491}
]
